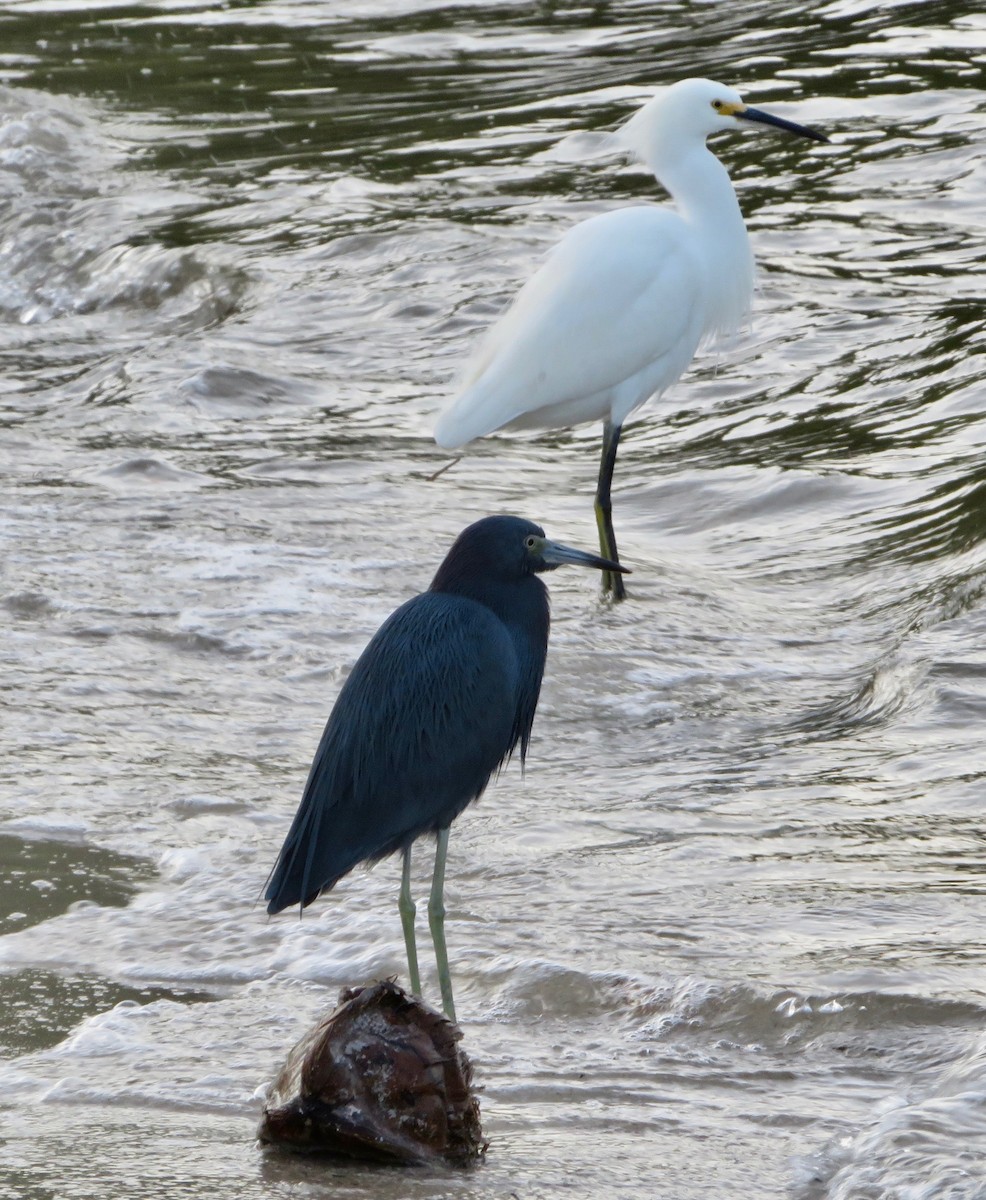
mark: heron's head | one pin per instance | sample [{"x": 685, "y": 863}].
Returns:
[
  {"x": 503, "y": 549},
  {"x": 694, "y": 108},
  {"x": 545, "y": 555}
]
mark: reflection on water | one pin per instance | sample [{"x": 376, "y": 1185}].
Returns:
[
  {"x": 41, "y": 878},
  {"x": 726, "y": 935}
]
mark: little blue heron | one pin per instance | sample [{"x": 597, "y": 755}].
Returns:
[
  {"x": 622, "y": 302},
  {"x": 436, "y": 703}
]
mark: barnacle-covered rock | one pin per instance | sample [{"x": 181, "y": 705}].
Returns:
[{"x": 381, "y": 1078}]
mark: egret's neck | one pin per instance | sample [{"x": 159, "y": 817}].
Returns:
[
  {"x": 698, "y": 182},
  {"x": 704, "y": 196}
]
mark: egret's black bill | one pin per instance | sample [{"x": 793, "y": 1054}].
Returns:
[
  {"x": 557, "y": 555},
  {"x": 764, "y": 118}
]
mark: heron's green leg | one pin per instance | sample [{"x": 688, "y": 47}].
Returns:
[
  {"x": 612, "y": 582},
  {"x": 436, "y": 922},
  {"x": 407, "y": 909}
]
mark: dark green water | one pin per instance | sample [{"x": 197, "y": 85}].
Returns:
[{"x": 725, "y": 938}]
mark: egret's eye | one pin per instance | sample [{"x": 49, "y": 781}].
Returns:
[
  {"x": 530, "y": 541},
  {"x": 717, "y": 104}
]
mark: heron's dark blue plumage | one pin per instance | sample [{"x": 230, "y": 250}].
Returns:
[{"x": 439, "y": 699}]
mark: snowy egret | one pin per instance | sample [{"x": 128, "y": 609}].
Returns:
[
  {"x": 437, "y": 702},
  {"x": 622, "y": 302}
]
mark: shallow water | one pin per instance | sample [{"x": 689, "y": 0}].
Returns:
[{"x": 726, "y": 937}]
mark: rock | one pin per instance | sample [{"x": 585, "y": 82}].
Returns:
[{"x": 381, "y": 1078}]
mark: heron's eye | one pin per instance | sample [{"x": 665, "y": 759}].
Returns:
[{"x": 530, "y": 541}]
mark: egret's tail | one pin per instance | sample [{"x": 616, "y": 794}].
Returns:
[{"x": 457, "y": 425}]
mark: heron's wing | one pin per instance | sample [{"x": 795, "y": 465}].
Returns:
[
  {"x": 619, "y": 293},
  {"x": 425, "y": 717}
]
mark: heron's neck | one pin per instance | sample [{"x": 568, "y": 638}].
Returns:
[{"x": 516, "y": 601}]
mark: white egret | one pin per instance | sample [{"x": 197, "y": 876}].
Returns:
[{"x": 618, "y": 309}]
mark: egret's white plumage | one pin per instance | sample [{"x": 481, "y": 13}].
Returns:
[
  {"x": 619, "y": 307},
  {"x": 614, "y": 314}
]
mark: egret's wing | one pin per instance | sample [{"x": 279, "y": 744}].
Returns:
[
  {"x": 425, "y": 717},
  {"x": 619, "y": 293}
]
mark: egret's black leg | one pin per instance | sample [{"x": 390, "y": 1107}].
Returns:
[
  {"x": 612, "y": 582},
  {"x": 436, "y": 922},
  {"x": 407, "y": 909}
]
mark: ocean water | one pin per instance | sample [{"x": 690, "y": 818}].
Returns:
[{"x": 725, "y": 937}]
